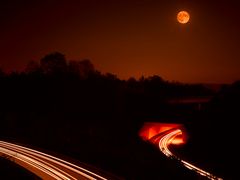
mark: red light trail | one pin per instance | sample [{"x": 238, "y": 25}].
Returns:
[{"x": 166, "y": 134}]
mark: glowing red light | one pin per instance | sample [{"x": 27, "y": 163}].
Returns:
[{"x": 150, "y": 130}]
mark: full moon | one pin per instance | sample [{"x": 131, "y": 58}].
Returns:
[{"x": 183, "y": 17}]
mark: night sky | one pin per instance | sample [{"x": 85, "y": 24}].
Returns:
[{"x": 127, "y": 37}]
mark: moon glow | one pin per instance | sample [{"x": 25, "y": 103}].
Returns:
[{"x": 183, "y": 17}]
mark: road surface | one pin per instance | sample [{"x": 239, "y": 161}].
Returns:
[
  {"x": 45, "y": 166},
  {"x": 167, "y": 138}
]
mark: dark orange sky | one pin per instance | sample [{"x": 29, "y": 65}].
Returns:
[{"x": 127, "y": 37}]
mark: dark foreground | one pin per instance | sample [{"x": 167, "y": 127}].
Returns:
[{"x": 11, "y": 171}]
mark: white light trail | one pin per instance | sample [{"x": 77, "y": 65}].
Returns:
[
  {"x": 49, "y": 165},
  {"x": 167, "y": 139}
]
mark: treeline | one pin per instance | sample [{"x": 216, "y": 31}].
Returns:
[
  {"x": 57, "y": 86},
  {"x": 55, "y": 66},
  {"x": 71, "y": 108}
]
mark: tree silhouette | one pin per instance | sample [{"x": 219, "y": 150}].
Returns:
[
  {"x": 82, "y": 68},
  {"x": 1, "y": 73},
  {"x": 33, "y": 67},
  {"x": 54, "y": 63}
]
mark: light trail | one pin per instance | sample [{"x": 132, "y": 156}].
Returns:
[
  {"x": 44, "y": 165},
  {"x": 166, "y": 139}
]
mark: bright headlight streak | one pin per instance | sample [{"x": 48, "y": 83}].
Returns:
[
  {"x": 40, "y": 163},
  {"x": 53, "y": 159},
  {"x": 44, "y": 164},
  {"x": 12, "y": 154},
  {"x": 35, "y": 163},
  {"x": 166, "y": 139}
]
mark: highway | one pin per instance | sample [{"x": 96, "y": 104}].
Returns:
[
  {"x": 167, "y": 138},
  {"x": 45, "y": 166}
]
